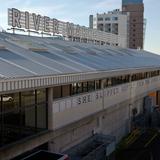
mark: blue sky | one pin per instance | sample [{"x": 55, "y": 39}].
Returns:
[{"x": 79, "y": 11}]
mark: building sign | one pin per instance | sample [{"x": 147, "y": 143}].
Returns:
[
  {"x": 36, "y": 22},
  {"x": 31, "y": 21}
]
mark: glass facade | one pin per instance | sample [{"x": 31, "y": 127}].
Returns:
[{"x": 22, "y": 114}]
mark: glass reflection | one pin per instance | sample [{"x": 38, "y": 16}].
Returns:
[{"x": 22, "y": 114}]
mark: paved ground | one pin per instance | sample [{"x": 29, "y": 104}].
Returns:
[{"x": 146, "y": 147}]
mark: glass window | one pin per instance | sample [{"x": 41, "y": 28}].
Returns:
[
  {"x": 91, "y": 85},
  {"x": 114, "y": 18},
  {"x": 29, "y": 116},
  {"x": 109, "y": 82},
  {"x": 10, "y": 102},
  {"x": 66, "y": 90},
  {"x": 41, "y": 95},
  {"x": 85, "y": 86},
  {"x": 105, "y": 83},
  {"x": 74, "y": 88},
  {"x": 21, "y": 116},
  {"x": 28, "y": 98},
  {"x": 100, "y": 19},
  {"x": 107, "y": 18},
  {"x": 57, "y": 92},
  {"x": 41, "y": 116},
  {"x": 79, "y": 87},
  {"x": 98, "y": 84},
  {"x": 113, "y": 81}
]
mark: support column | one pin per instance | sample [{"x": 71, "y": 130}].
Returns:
[
  {"x": 103, "y": 87},
  {"x": 102, "y": 83},
  {"x": 50, "y": 108}
]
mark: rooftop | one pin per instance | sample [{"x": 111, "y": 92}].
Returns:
[{"x": 28, "y": 56}]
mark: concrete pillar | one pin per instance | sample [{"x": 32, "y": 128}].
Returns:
[
  {"x": 102, "y": 83},
  {"x": 130, "y": 78},
  {"x": 103, "y": 87},
  {"x": 50, "y": 117},
  {"x": 130, "y": 116},
  {"x": 50, "y": 108}
]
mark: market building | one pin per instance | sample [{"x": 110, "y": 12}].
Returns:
[{"x": 59, "y": 93}]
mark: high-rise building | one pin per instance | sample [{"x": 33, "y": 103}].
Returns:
[
  {"x": 128, "y": 25},
  {"x": 136, "y": 25},
  {"x": 114, "y": 22}
]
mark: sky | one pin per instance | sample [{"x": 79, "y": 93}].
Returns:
[{"x": 78, "y": 12}]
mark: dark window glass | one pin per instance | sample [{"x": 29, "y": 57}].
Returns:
[
  {"x": 10, "y": 102},
  {"x": 41, "y": 95},
  {"x": 91, "y": 85},
  {"x": 85, "y": 86},
  {"x": 74, "y": 88},
  {"x": 20, "y": 116},
  {"x": 41, "y": 116},
  {"x": 100, "y": 19},
  {"x": 115, "y": 18},
  {"x": 57, "y": 92},
  {"x": 107, "y": 18},
  {"x": 28, "y": 98},
  {"x": 29, "y": 117},
  {"x": 66, "y": 90},
  {"x": 105, "y": 83},
  {"x": 79, "y": 87},
  {"x": 109, "y": 82},
  {"x": 98, "y": 84}
]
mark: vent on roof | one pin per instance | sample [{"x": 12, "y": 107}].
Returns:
[
  {"x": 2, "y": 47},
  {"x": 66, "y": 49},
  {"x": 38, "y": 49}
]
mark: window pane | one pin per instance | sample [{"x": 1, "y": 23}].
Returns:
[
  {"x": 98, "y": 84},
  {"x": 41, "y": 95},
  {"x": 28, "y": 98},
  {"x": 10, "y": 102},
  {"x": 65, "y": 90},
  {"x": 79, "y": 87},
  {"x": 74, "y": 88},
  {"x": 85, "y": 87},
  {"x": 29, "y": 117},
  {"x": 57, "y": 92},
  {"x": 91, "y": 86},
  {"x": 41, "y": 116}
]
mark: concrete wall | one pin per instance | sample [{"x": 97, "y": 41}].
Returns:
[
  {"x": 111, "y": 121},
  {"x": 72, "y": 109},
  {"x": 69, "y": 110}
]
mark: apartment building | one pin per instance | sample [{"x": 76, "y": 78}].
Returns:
[
  {"x": 114, "y": 22},
  {"x": 128, "y": 24}
]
